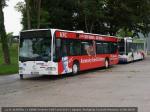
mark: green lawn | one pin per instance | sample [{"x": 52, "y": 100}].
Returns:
[{"x": 13, "y": 67}]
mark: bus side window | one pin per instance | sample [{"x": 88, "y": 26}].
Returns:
[
  {"x": 61, "y": 48},
  {"x": 113, "y": 48},
  {"x": 88, "y": 48},
  {"x": 57, "y": 55},
  {"x": 99, "y": 48},
  {"x": 65, "y": 48},
  {"x": 83, "y": 48},
  {"x": 71, "y": 50},
  {"x": 75, "y": 47},
  {"x": 106, "y": 48}
]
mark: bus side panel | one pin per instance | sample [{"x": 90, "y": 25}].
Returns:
[
  {"x": 85, "y": 62},
  {"x": 65, "y": 65},
  {"x": 90, "y": 62},
  {"x": 114, "y": 59}
]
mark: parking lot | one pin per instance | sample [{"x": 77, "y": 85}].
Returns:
[{"x": 126, "y": 85}]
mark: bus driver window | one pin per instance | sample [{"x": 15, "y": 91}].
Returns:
[{"x": 90, "y": 48}]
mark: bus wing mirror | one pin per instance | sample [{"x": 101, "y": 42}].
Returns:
[{"x": 58, "y": 42}]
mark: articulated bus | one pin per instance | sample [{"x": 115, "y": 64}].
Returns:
[
  {"x": 56, "y": 52},
  {"x": 131, "y": 49}
]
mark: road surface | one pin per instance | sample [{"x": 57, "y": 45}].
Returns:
[{"x": 124, "y": 85}]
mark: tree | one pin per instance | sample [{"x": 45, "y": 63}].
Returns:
[
  {"x": 39, "y": 14},
  {"x": 31, "y": 11},
  {"x": 130, "y": 15},
  {"x": 95, "y": 16},
  {"x": 90, "y": 16},
  {"x": 3, "y": 36},
  {"x": 61, "y": 14},
  {"x": 28, "y": 14}
]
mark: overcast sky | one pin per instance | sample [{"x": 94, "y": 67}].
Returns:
[{"x": 12, "y": 17}]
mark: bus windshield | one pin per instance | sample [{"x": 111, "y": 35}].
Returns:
[
  {"x": 35, "y": 48},
  {"x": 121, "y": 48}
]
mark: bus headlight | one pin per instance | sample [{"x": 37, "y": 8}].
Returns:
[
  {"x": 21, "y": 68},
  {"x": 51, "y": 68}
]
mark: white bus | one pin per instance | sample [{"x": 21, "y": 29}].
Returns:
[
  {"x": 57, "y": 52},
  {"x": 131, "y": 49}
]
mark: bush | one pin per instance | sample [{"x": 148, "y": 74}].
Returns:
[{"x": 13, "y": 67}]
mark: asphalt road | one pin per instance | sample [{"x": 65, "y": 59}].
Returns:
[{"x": 122, "y": 85}]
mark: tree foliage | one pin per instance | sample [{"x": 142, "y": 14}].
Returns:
[
  {"x": 96, "y": 16},
  {"x": 3, "y": 35}
]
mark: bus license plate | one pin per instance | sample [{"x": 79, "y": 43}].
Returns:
[{"x": 35, "y": 73}]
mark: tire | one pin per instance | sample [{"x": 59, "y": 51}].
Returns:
[
  {"x": 75, "y": 68},
  {"x": 106, "y": 63},
  {"x": 142, "y": 57},
  {"x": 132, "y": 59},
  {"x": 21, "y": 76}
]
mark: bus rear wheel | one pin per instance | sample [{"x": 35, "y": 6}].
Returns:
[
  {"x": 75, "y": 68},
  {"x": 106, "y": 63}
]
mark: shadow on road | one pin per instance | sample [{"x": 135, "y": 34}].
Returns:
[{"x": 59, "y": 77}]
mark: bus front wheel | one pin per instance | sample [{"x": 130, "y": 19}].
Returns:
[
  {"x": 142, "y": 57},
  {"x": 21, "y": 76},
  {"x": 75, "y": 68}
]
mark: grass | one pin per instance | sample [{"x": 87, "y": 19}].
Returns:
[{"x": 13, "y": 67}]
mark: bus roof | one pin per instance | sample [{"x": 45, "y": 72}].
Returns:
[
  {"x": 34, "y": 30},
  {"x": 77, "y": 31},
  {"x": 77, "y": 35},
  {"x": 134, "y": 40}
]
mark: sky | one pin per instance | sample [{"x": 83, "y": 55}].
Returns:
[{"x": 12, "y": 18}]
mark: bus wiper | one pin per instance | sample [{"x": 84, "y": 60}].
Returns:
[
  {"x": 24, "y": 59},
  {"x": 45, "y": 60}
]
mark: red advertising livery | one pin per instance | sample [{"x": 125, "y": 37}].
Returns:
[{"x": 54, "y": 52}]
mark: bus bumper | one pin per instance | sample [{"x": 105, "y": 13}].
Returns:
[
  {"x": 38, "y": 68},
  {"x": 123, "y": 60}
]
